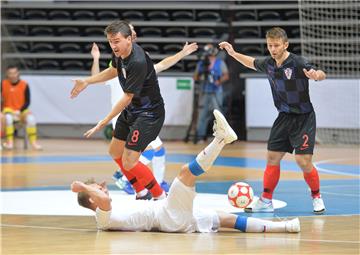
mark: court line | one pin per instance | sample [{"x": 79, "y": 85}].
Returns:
[
  {"x": 51, "y": 228},
  {"x": 271, "y": 238},
  {"x": 294, "y": 239},
  {"x": 339, "y": 194}
]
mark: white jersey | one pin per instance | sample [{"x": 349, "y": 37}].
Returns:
[{"x": 173, "y": 214}]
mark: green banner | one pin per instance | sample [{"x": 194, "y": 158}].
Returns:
[{"x": 183, "y": 84}]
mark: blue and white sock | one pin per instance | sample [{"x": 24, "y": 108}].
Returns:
[
  {"x": 254, "y": 225},
  {"x": 146, "y": 157},
  {"x": 205, "y": 159}
]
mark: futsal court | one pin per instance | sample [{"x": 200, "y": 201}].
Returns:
[{"x": 41, "y": 213}]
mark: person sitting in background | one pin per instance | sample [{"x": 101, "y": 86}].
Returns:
[{"x": 15, "y": 95}]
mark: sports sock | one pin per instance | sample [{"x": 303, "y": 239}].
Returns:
[
  {"x": 147, "y": 179},
  {"x": 270, "y": 180},
  {"x": 250, "y": 224},
  {"x": 146, "y": 156},
  {"x": 158, "y": 163},
  {"x": 312, "y": 179},
  {"x": 205, "y": 159},
  {"x": 138, "y": 187}
]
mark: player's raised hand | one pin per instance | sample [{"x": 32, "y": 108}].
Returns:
[
  {"x": 227, "y": 46},
  {"x": 101, "y": 124},
  {"x": 77, "y": 186},
  {"x": 95, "y": 52},
  {"x": 79, "y": 86},
  {"x": 189, "y": 48},
  {"x": 311, "y": 74}
]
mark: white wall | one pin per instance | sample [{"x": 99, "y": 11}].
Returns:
[
  {"x": 336, "y": 103},
  {"x": 51, "y": 103}
]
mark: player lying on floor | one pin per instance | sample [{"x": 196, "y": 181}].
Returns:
[{"x": 176, "y": 213}]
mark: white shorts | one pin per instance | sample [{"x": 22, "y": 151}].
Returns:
[
  {"x": 156, "y": 143},
  {"x": 177, "y": 214}
]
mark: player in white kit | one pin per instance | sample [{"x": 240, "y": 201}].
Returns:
[
  {"x": 155, "y": 152},
  {"x": 176, "y": 212}
]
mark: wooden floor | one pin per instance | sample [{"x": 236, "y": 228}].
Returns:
[{"x": 33, "y": 234}]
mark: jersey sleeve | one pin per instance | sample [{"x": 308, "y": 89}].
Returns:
[
  {"x": 304, "y": 63},
  {"x": 122, "y": 221},
  {"x": 135, "y": 77},
  {"x": 113, "y": 61},
  {"x": 260, "y": 64},
  {"x": 102, "y": 219}
]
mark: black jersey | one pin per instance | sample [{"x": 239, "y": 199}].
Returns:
[
  {"x": 137, "y": 76},
  {"x": 289, "y": 84}
]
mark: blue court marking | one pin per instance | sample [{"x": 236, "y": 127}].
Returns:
[
  {"x": 341, "y": 197},
  {"x": 350, "y": 170}
]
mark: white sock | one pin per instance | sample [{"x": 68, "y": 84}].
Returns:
[
  {"x": 208, "y": 155},
  {"x": 158, "y": 164},
  {"x": 257, "y": 225}
]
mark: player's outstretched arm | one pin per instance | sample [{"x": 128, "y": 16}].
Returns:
[
  {"x": 81, "y": 84},
  {"x": 124, "y": 101},
  {"x": 317, "y": 75},
  {"x": 102, "y": 200},
  {"x": 95, "y": 53},
  {"x": 243, "y": 59},
  {"x": 168, "y": 62}
]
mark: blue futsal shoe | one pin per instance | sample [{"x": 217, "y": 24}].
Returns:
[
  {"x": 128, "y": 188},
  {"x": 117, "y": 175},
  {"x": 165, "y": 186}
]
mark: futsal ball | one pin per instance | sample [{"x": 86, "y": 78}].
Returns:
[{"x": 240, "y": 194}]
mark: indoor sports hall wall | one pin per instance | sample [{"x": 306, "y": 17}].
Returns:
[
  {"x": 336, "y": 103},
  {"x": 51, "y": 103}
]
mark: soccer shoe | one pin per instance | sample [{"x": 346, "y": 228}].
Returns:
[
  {"x": 165, "y": 186},
  {"x": 145, "y": 197},
  {"x": 117, "y": 175},
  {"x": 128, "y": 188},
  {"x": 222, "y": 128},
  {"x": 318, "y": 204},
  {"x": 292, "y": 226},
  {"x": 259, "y": 206}
]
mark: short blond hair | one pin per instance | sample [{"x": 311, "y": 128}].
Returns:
[{"x": 277, "y": 33}]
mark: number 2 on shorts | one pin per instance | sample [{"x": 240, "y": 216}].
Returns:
[{"x": 306, "y": 139}]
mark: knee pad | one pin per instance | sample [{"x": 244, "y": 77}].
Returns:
[
  {"x": 30, "y": 120},
  {"x": 9, "y": 119}
]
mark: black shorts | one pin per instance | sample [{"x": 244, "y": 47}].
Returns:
[
  {"x": 139, "y": 130},
  {"x": 293, "y": 131}
]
